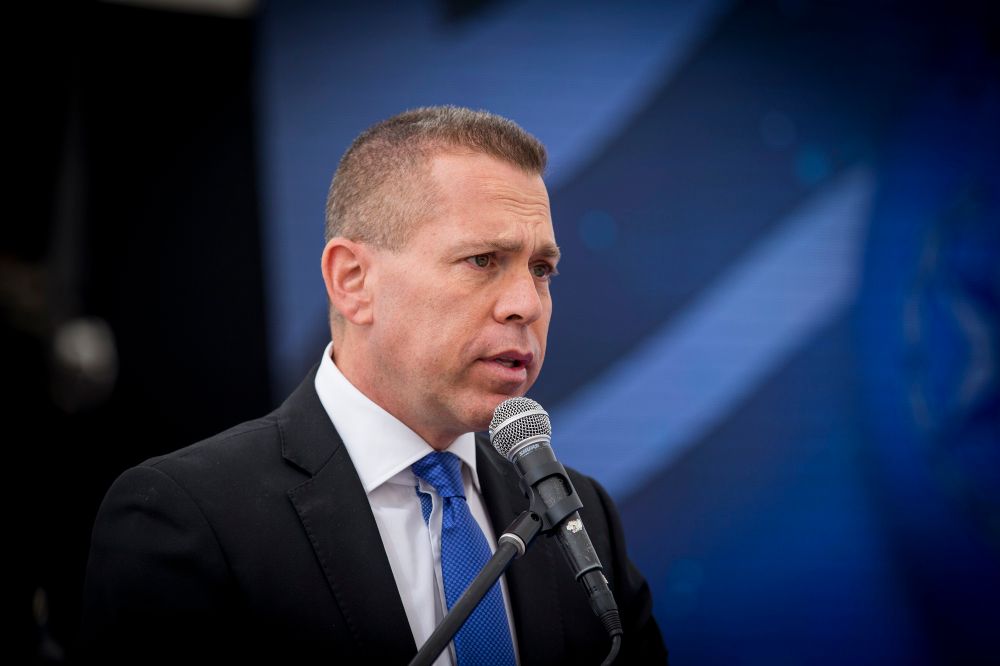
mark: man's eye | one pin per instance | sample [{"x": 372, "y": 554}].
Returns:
[
  {"x": 480, "y": 260},
  {"x": 543, "y": 271}
]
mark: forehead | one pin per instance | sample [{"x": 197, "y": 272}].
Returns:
[{"x": 476, "y": 192}]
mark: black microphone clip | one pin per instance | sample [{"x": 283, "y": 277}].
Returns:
[{"x": 554, "y": 514}]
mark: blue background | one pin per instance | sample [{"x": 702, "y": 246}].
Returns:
[{"x": 775, "y": 336}]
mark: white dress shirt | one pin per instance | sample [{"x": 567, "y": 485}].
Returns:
[{"x": 382, "y": 449}]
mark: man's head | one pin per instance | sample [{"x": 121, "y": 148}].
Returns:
[
  {"x": 438, "y": 258},
  {"x": 381, "y": 190}
]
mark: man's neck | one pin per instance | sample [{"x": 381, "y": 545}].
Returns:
[{"x": 435, "y": 438}]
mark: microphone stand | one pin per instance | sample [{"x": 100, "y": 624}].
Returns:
[{"x": 512, "y": 543}]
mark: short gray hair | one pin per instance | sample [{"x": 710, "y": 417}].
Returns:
[{"x": 380, "y": 192}]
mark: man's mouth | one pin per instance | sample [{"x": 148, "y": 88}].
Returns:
[{"x": 512, "y": 359}]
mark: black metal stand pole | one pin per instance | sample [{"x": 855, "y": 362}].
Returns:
[{"x": 512, "y": 543}]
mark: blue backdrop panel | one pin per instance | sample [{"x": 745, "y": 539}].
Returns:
[{"x": 775, "y": 335}]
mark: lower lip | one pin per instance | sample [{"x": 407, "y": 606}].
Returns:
[{"x": 515, "y": 374}]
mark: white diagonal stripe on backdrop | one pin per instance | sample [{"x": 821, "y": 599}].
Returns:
[{"x": 627, "y": 425}]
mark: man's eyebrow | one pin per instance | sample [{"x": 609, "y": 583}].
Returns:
[{"x": 547, "y": 250}]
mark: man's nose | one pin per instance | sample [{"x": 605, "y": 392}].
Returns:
[{"x": 519, "y": 299}]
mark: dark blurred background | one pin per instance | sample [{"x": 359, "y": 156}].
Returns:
[{"x": 777, "y": 330}]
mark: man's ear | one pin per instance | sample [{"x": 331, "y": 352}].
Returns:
[{"x": 346, "y": 267}]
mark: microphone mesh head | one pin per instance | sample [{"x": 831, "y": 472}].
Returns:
[{"x": 508, "y": 429}]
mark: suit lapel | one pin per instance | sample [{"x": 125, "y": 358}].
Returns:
[
  {"x": 534, "y": 596},
  {"x": 335, "y": 513},
  {"x": 332, "y": 505}
]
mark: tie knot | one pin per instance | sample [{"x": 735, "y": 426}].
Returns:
[{"x": 443, "y": 471}]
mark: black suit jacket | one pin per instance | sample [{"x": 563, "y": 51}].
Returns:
[{"x": 260, "y": 543}]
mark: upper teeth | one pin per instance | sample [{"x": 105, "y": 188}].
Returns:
[{"x": 508, "y": 362}]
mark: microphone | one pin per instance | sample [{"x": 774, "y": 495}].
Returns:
[{"x": 521, "y": 432}]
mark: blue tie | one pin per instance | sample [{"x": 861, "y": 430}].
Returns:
[{"x": 485, "y": 637}]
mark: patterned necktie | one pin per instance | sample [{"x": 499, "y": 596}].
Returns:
[{"x": 485, "y": 636}]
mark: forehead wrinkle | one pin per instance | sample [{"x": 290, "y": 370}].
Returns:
[
  {"x": 516, "y": 203},
  {"x": 521, "y": 208},
  {"x": 502, "y": 191}
]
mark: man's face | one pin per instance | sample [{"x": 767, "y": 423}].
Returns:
[{"x": 461, "y": 313}]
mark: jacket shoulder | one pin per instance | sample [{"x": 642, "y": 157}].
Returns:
[{"x": 243, "y": 439}]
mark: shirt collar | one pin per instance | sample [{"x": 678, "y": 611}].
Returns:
[{"x": 381, "y": 446}]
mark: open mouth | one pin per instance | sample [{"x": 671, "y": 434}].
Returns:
[{"x": 513, "y": 360}]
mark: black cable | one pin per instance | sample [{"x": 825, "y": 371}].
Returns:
[
  {"x": 616, "y": 643},
  {"x": 613, "y": 625}
]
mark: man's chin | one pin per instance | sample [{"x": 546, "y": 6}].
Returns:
[{"x": 484, "y": 412}]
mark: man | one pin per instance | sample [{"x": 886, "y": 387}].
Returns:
[{"x": 316, "y": 531}]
